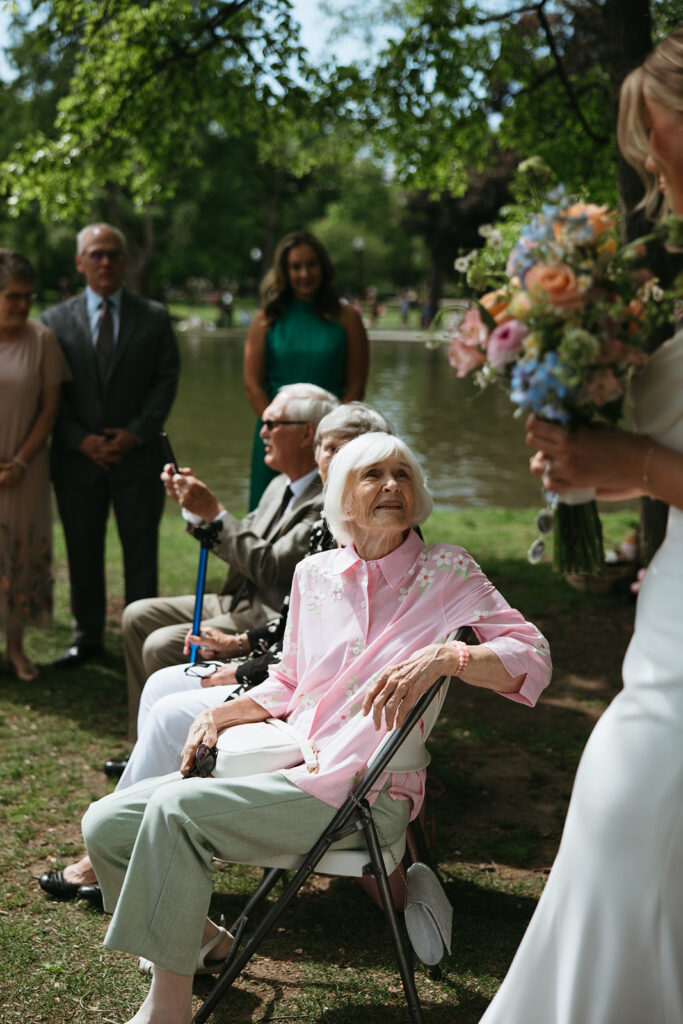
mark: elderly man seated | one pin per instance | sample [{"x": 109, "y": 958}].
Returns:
[
  {"x": 261, "y": 549},
  {"x": 364, "y": 639}
]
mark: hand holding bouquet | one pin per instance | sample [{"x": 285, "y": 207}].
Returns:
[{"x": 561, "y": 331}]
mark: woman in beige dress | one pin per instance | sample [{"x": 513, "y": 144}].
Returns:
[{"x": 31, "y": 371}]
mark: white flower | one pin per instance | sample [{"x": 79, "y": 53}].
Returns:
[
  {"x": 336, "y": 591},
  {"x": 542, "y": 647},
  {"x": 403, "y": 593},
  {"x": 495, "y": 239},
  {"x": 479, "y": 615},
  {"x": 312, "y": 571},
  {"x": 650, "y": 289},
  {"x": 462, "y": 264},
  {"x": 351, "y": 687},
  {"x": 460, "y": 565},
  {"x": 443, "y": 557},
  {"x": 485, "y": 230},
  {"x": 424, "y": 579},
  {"x": 314, "y": 602},
  {"x": 357, "y": 647}
]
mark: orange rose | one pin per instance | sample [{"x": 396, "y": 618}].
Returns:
[
  {"x": 635, "y": 315},
  {"x": 600, "y": 218},
  {"x": 496, "y": 303},
  {"x": 558, "y": 282}
]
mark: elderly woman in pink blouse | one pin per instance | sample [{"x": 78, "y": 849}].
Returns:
[{"x": 365, "y": 638}]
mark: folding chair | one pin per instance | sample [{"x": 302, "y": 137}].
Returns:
[{"x": 402, "y": 750}]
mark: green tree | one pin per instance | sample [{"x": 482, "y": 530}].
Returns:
[{"x": 145, "y": 76}]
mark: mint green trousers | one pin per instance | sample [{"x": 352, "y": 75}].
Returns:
[{"x": 152, "y": 847}]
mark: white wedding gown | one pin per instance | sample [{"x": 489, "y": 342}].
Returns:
[{"x": 605, "y": 945}]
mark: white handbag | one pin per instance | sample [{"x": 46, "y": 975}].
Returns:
[{"x": 257, "y": 747}]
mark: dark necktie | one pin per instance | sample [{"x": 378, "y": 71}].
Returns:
[
  {"x": 286, "y": 498},
  {"x": 104, "y": 346}
]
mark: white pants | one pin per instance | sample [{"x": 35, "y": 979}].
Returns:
[{"x": 171, "y": 700}]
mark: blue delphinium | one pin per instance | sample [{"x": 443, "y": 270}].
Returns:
[{"x": 543, "y": 386}]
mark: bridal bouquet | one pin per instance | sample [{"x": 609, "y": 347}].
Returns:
[{"x": 563, "y": 326}]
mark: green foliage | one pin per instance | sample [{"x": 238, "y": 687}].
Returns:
[{"x": 146, "y": 75}]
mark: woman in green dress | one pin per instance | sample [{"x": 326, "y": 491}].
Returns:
[{"x": 302, "y": 334}]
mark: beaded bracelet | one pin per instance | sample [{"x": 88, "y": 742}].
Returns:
[
  {"x": 20, "y": 462},
  {"x": 463, "y": 652}
]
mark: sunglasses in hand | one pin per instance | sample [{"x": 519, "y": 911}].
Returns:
[{"x": 204, "y": 762}]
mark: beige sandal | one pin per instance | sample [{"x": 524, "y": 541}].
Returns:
[{"x": 204, "y": 965}]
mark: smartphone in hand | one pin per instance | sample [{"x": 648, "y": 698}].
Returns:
[{"x": 169, "y": 455}]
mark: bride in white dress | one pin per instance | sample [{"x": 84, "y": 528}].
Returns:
[{"x": 605, "y": 945}]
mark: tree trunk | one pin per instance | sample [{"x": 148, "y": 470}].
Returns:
[{"x": 628, "y": 40}]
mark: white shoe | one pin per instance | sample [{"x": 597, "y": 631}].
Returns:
[{"x": 204, "y": 965}]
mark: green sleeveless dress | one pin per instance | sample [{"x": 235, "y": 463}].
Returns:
[{"x": 300, "y": 348}]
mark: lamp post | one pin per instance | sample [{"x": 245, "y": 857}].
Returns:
[{"x": 359, "y": 248}]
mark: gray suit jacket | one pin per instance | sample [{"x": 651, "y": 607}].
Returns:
[
  {"x": 264, "y": 561},
  {"x": 139, "y": 394}
]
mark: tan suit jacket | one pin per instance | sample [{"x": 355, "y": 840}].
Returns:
[{"x": 263, "y": 557}]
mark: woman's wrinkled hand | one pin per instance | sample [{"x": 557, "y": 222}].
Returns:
[
  {"x": 212, "y": 643},
  {"x": 396, "y": 688},
  {"x": 202, "y": 730}
]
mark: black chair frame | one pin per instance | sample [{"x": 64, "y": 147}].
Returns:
[{"x": 354, "y": 816}]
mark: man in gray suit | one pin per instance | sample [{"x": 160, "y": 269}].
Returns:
[
  {"x": 124, "y": 362},
  {"x": 262, "y": 549}
]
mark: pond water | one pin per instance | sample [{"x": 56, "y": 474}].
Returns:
[{"x": 470, "y": 447}]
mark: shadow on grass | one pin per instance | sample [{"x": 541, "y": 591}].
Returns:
[
  {"x": 334, "y": 942},
  {"x": 93, "y": 696}
]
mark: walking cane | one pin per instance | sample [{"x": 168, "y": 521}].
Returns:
[
  {"x": 199, "y": 596},
  {"x": 169, "y": 455}
]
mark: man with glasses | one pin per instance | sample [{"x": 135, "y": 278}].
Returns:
[
  {"x": 262, "y": 549},
  {"x": 124, "y": 363}
]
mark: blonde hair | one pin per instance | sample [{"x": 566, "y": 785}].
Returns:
[{"x": 660, "y": 77}]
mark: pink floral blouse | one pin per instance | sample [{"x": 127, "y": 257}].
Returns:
[{"x": 350, "y": 618}]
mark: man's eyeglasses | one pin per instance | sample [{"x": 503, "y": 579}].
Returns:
[
  {"x": 271, "y": 424},
  {"x": 100, "y": 255},
  {"x": 19, "y": 296},
  {"x": 204, "y": 762}
]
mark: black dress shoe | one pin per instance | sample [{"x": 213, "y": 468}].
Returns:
[
  {"x": 115, "y": 767},
  {"x": 77, "y": 655},
  {"x": 54, "y": 883},
  {"x": 91, "y": 893}
]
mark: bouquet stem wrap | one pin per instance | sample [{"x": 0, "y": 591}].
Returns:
[{"x": 577, "y": 534}]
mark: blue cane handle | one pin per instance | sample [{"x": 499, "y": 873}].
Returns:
[{"x": 198, "y": 601}]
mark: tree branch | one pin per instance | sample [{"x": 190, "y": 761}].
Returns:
[
  {"x": 573, "y": 102},
  {"x": 177, "y": 55}
]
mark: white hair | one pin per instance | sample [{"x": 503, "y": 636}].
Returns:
[
  {"x": 81, "y": 236},
  {"x": 307, "y": 402},
  {"x": 349, "y": 461},
  {"x": 349, "y": 420}
]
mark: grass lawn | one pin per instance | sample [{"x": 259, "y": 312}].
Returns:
[{"x": 507, "y": 773}]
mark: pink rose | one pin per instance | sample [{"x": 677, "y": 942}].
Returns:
[
  {"x": 464, "y": 357},
  {"x": 505, "y": 342},
  {"x": 468, "y": 345},
  {"x": 603, "y": 388}
]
